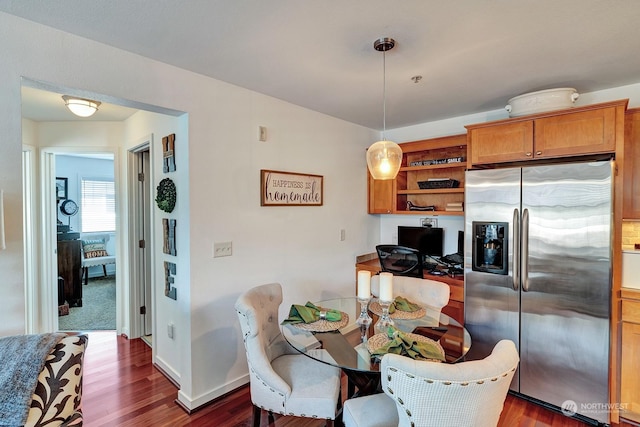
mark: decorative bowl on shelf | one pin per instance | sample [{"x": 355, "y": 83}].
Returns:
[{"x": 541, "y": 101}]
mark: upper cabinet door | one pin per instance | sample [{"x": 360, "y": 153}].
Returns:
[
  {"x": 380, "y": 195},
  {"x": 507, "y": 142},
  {"x": 575, "y": 134}
]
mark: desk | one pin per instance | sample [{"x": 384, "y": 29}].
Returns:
[{"x": 345, "y": 350}]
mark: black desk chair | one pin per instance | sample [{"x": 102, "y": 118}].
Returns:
[{"x": 400, "y": 260}]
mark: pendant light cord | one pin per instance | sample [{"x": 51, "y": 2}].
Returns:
[{"x": 384, "y": 94}]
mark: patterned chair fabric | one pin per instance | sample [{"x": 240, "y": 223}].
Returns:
[
  {"x": 426, "y": 394},
  {"x": 57, "y": 398},
  {"x": 434, "y": 295},
  {"x": 282, "y": 380}
]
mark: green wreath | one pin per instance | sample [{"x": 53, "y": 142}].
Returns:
[{"x": 166, "y": 195}]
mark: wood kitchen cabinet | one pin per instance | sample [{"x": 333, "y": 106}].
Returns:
[
  {"x": 380, "y": 195},
  {"x": 70, "y": 268},
  {"x": 429, "y": 159},
  {"x": 631, "y": 201},
  {"x": 579, "y": 131},
  {"x": 630, "y": 356}
]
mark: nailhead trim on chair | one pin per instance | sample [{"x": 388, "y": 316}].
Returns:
[
  {"x": 429, "y": 381},
  {"x": 281, "y": 412}
]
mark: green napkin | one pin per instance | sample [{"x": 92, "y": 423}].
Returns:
[
  {"x": 310, "y": 313},
  {"x": 402, "y": 344},
  {"x": 403, "y": 304}
]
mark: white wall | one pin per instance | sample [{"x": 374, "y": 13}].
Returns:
[
  {"x": 172, "y": 355},
  {"x": 297, "y": 246}
]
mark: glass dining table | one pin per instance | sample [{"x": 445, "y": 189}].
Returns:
[{"x": 346, "y": 349}]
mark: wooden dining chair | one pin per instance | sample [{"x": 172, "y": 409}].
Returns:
[{"x": 282, "y": 380}]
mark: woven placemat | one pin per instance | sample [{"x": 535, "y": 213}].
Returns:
[
  {"x": 324, "y": 325},
  {"x": 375, "y": 308},
  {"x": 378, "y": 340}
]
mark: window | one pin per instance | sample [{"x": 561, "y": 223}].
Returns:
[{"x": 98, "y": 205}]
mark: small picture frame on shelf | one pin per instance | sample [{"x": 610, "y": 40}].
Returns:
[{"x": 61, "y": 188}]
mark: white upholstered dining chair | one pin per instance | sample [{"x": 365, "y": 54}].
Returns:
[
  {"x": 432, "y": 294},
  {"x": 429, "y": 394},
  {"x": 281, "y": 379}
]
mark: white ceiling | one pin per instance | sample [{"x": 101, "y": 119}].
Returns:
[{"x": 473, "y": 55}]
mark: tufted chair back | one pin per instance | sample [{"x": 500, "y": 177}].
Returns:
[
  {"x": 440, "y": 394},
  {"x": 258, "y": 314},
  {"x": 282, "y": 380},
  {"x": 431, "y": 293}
]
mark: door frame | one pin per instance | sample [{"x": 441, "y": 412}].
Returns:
[
  {"x": 29, "y": 233},
  {"x": 140, "y": 265},
  {"x": 48, "y": 301}
]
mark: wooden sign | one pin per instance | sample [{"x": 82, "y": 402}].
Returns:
[
  {"x": 169, "y": 153},
  {"x": 169, "y": 280},
  {"x": 169, "y": 236},
  {"x": 290, "y": 189}
]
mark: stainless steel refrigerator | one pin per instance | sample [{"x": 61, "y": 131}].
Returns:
[{"x": 538, "y": 272}]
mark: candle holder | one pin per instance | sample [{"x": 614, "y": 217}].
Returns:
[
  {"x": 364, "y": 320},
  {"x": 382, "y": 325}
]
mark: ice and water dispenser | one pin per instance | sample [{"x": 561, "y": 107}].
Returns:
[{"x": 490, "y": 251}]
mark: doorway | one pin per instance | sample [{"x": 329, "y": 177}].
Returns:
[
  {"x": 86, "y": 241},
  {"x": 139, "y": 162},
  {"x": 50, "y": 129}
]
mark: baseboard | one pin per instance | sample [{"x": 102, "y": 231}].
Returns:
[
  {"x": 191, "y": 405},
  {"x": 167, "y": 371}
]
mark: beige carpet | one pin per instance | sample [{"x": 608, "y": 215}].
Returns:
[{"x": 98, "y": 311}]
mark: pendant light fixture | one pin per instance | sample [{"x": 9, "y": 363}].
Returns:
[
  {"x": 81, "y": 107},
  {"x": 384, "y": 157}
]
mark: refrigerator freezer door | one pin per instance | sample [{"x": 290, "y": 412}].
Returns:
[
  {"x": 492, "y": 302},
  {"x": 564, "y": 346}
]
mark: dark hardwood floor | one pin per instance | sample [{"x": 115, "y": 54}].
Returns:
[{"x": 123, "y": 388}]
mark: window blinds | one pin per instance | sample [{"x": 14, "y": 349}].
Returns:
[{"x": 98, "y": 205}]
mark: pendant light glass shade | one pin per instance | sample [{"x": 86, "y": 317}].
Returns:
[
  {"x": 384, "y": 159},
  {"x": 81, "y": 107}
]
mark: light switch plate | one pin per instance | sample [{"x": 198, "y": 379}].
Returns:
[{"x": 221, "y": 249}]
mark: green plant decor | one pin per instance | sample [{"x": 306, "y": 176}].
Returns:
[{"x": 166, "y": 195}]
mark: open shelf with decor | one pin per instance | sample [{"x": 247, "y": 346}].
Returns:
[{"x": 431, "y": 176}]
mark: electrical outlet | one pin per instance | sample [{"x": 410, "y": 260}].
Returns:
[
  {"x": 221, "y": 249},
  {"x": 170, "y": 330}
]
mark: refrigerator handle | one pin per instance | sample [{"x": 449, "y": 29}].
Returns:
[
  {"x": 516, "y": 249},
  {"x": 525, "y": 250}
]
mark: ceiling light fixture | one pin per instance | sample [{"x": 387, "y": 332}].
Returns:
[
  {"x": 79, "y": 106},
  {"x": 384, "y": 157}
]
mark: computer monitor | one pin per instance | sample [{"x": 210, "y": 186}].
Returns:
[
  {"x": 460, "y": 242},
  {"x": 428, "y": 240}
]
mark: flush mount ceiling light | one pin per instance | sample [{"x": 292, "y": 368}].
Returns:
[
  {"x": 384, "y": 157},
  {"x": 79, "y": 106}
]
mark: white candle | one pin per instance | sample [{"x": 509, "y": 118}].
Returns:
[
  {"x": 386, "y": 287},
  {"x": 364, "y": 284}
]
